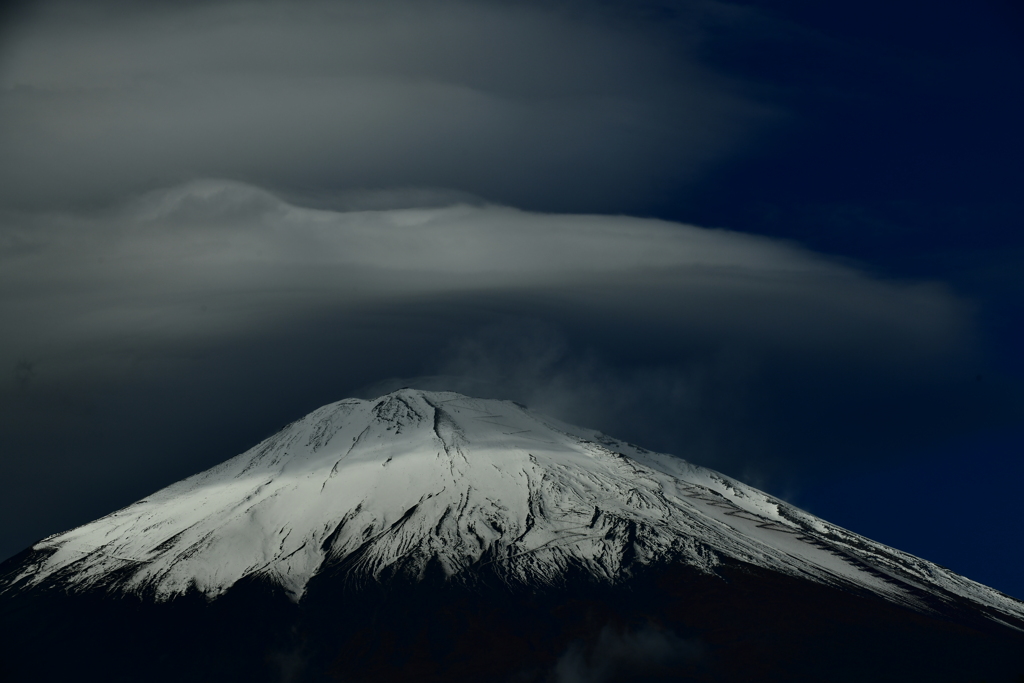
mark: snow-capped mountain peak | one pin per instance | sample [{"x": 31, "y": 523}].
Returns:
[{"x": 415, "y": 482}]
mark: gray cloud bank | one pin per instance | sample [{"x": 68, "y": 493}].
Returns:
[{"x": 543, "y": 105}]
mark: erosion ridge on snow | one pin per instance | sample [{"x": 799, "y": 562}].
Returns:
[{"x": 416, "y": 480}]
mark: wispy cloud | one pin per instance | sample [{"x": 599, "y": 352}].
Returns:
[
  {"x": 524, "y": 103},
  {"x": 623, "y": 652}
]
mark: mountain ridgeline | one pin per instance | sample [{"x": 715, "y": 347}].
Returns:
[{"x": 427, "y": 536}]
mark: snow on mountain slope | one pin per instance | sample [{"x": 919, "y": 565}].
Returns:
[{"x": 411, "y": 479}]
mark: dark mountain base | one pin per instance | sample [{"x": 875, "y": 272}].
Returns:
[{"x": 667, "y": 625}]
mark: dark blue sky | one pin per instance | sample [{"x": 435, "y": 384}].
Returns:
[
  {"x": 862, "y": 361},
  {"x": 905, "y": 153}
]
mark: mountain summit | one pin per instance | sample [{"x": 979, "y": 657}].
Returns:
[{"x": 434, "y": 488}]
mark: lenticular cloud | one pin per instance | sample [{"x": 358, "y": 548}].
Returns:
[{"x": 213, "y": 259}]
